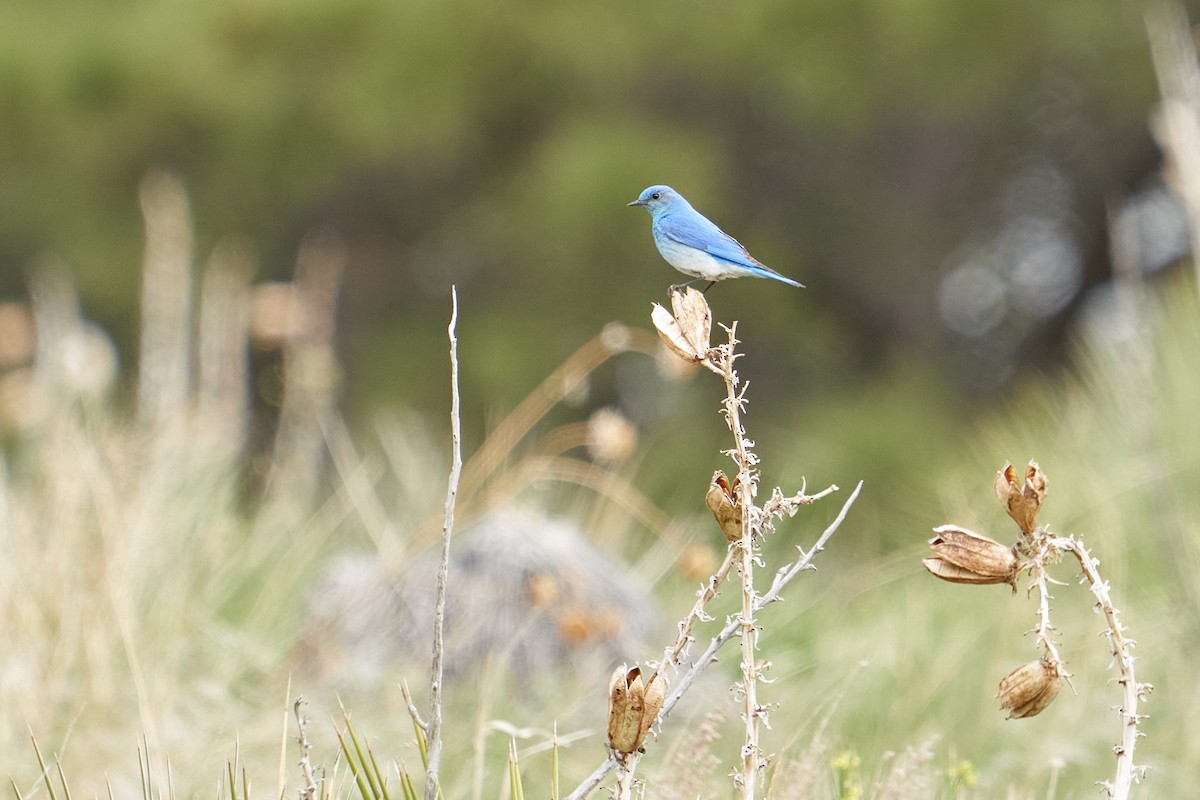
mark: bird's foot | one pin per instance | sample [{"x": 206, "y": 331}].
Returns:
[{"x": 680, "y": 288}]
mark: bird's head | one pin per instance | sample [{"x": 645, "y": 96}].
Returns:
[{"x": 658, "y": 199}]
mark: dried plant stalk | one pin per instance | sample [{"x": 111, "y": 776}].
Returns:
[
  {"x": 1132, "y": 691},
  {"x": 690, "y": 326},
  {"x": 753, "y": 712},
  {"x": 434, "y": 729},
  {"x": 1029, "y": 689},
  {"x": 309, "y": 790}
]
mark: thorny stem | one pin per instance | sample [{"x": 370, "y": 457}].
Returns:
[
  {"x": 752, "y": 713},
  {"x": 1043, "y": 548},
  {"x": 626, "y": 771},
  {"x": 1127, "y": 771},
  {"x": 784, "y": 577},
  {"x": 1043, "y": 551},
  {"x": 309, "y": 790},
  {"x": 754, "y": 519},
  {"x": 675, "y": 651}
]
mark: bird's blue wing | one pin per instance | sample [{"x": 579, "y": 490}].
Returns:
[{"x": 696, "y": 230}]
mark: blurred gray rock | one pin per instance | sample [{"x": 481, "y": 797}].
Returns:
[{"x": 523, "y": 587}]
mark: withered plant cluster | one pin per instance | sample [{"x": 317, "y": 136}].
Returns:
[
  {"x": 963, "y": 556},
  {"x": 638, "y": 694}
]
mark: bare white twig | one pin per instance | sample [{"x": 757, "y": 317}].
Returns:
[
  {"x": 1044, "y": 551},
  {"x": 434, "y": 726},
  {"x": 1132, "y": 691}
]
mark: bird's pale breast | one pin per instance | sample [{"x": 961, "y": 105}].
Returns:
[{"x": 696, "y": 263}]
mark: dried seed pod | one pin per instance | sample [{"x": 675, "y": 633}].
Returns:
[
  {"x": 685, "y": 329},
  {"x": 963, "y": 556},
  {"x": 632, "y": 707},
  {"x": 672, "y": 335},
  {"x": 656, "y": 695},
  {"x": 694, "y": 316},
  {"x": 1028, "y": 689},
  {"x": 723, "y": 501},
  {"x": 1022, "y": 502}
]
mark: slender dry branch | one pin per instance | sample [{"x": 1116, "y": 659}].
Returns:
[
  {"x": 1132, "y": 691},
  {"x": 784, "y": 577},
  {"x": 677, "y": 649},
  {"x": 1046, "y": 552},
  {"x": 788, "y": 573},
  {"x": 592, "y": 781},
  {"x": 1026, "y": 691},
  {"x": 309, "y": 790},
  {"x": 434, "y": 726},
  {"x": 753, "y": 712}
]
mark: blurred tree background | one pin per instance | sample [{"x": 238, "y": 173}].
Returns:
[{"x": 870, "y": 149}]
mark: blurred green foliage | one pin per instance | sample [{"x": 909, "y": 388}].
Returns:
[{"x": 493, "y": 145}]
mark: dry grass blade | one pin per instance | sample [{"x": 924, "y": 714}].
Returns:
[
  {"x": 144, "y": 769},
  {"x": 45, "y": 773},
  {"x": 62, "y": 779}
]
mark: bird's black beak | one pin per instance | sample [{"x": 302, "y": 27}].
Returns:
[{"x": 638, "y": 202}]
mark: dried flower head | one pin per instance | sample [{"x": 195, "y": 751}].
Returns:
[
  {"x": 685, "y": 329},
  {"x": 633, "y": 705},
  {"x": 723, "y": 501},
  {"x": 1022, "y": 502},
  {"x": 1028, "y": 689},
  {"x": 963, "y": 556},
  {"x": 611, "y": 437}
]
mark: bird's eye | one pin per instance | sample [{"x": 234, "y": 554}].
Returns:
[{"x": 656, "y": 196}]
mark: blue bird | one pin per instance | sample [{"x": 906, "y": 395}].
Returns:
[{"x": 692, "y": 244}]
